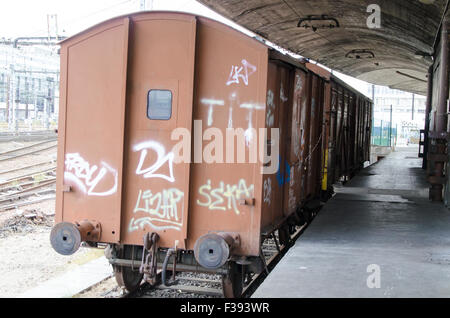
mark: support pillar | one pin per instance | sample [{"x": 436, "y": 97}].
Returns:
[
  {"x": 427, "y": 117},
  {"x": 437, "y": 151}
]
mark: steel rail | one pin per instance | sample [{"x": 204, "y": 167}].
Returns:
[
  {"x": 12, "y": 196},
  {"x": 26, "y": 167},
  {"x": 26, "y": 147},
  {"x": 20, "y": 196},
  {"x": 28, "y": 153},
  {"x": 28, "y": 183},
  {"x": 26, "y": 176},
  {"x": 16, "y": 205}
]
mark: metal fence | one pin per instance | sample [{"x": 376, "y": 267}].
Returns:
[{"x": 383, "y": 134}]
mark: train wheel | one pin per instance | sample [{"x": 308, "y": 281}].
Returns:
[
  {"x": 233, "y": 281},
  {"x": 126, "y": 276}
]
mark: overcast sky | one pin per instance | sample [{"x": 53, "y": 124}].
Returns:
[{"x": 29, "y": 17}]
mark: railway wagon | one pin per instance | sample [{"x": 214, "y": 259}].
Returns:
[
  {"x": 347, "y": 130},
  {"x": 182, "y": 145}
]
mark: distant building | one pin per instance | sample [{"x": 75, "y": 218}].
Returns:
[
  {"x": 408, "y": 112},
  {"x": 29, "y": 84}
]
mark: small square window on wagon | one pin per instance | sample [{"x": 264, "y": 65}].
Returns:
[{"x": 159, "y": 104}]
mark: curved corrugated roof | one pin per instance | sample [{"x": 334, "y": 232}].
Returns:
[{"x": 407, "y": 27}]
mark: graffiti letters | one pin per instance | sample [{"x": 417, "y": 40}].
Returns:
[
  {"x": 282, "y": 96},
  {"x": 292, "y": 199},
  {"x": 250, "y": 131},
  {"x": 270, "y": 116},
  {"x": 267, "y": 190},
  {"x": 162, "y": 210},
  {"x": 242, "y": 72},
  {"x": 89, "y": 178},
  {"x": 211, "y": 102},
  {"x": 298, "y": 83},
  {"x": 161, "y": 159},
  {"x": 224, "y": 197},
  {"x": 232, "y": 98},
  {"x": 283, "y": 174}
]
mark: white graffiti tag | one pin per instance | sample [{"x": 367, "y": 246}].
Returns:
[
  {"x": 161, "y": 159},
  {"x": 232, "y": 98},
  {"x": 267, "y": 190},
  {"x": 211, "y": 102},
  {"x": 249, "y": 131},
  {"x": 215, "y": 197},
  {"x": 161, "y": 208},
  {"x": 270, "y": 116},
  {"x": 298, "y": 83},
  {"x": 282, "y": 96},
  {"x": 242, "y": 72},
  {"x": 87, "y": 178},
  {"x": 292, "y": 199}
]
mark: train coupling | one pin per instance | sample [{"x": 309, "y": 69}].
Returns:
[{"x": 66, "y": 237}]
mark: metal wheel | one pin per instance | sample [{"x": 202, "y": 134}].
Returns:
[
  {"x": 126, "y": 276},
  {"x": 233, "y": 281}
]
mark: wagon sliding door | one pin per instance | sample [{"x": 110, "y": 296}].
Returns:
[
  {"x": 90, "y": 145},
  {"x": 159, "y": 102}
]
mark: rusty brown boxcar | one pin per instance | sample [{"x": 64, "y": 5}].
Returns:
[
  {"x": 182, "y": 137},
  {"x": 347, "y": 130}
]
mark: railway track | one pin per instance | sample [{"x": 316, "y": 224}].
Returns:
[
  {"x": 26, "y": 167},
  {"x": 210, "y": 285},
  {"x": 187, "y": 285},
  {"x": 27, "y": 135},
  {"x": 27, "y": 188},
  {"x": 28, "y": 150}
]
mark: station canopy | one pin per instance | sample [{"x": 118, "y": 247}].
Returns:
[{"x": 391, "y": 46}]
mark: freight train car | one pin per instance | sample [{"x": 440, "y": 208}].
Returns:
[
  {"x": 347, "y": 130},
  {"x": 184, "y": 143}
]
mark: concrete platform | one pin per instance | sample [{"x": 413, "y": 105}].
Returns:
[
  {"x": 379, "y": 236},
  {"x": 73, "y": 282}
]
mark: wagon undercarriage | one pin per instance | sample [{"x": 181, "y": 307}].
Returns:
[{"x": 137, "y": 264}]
